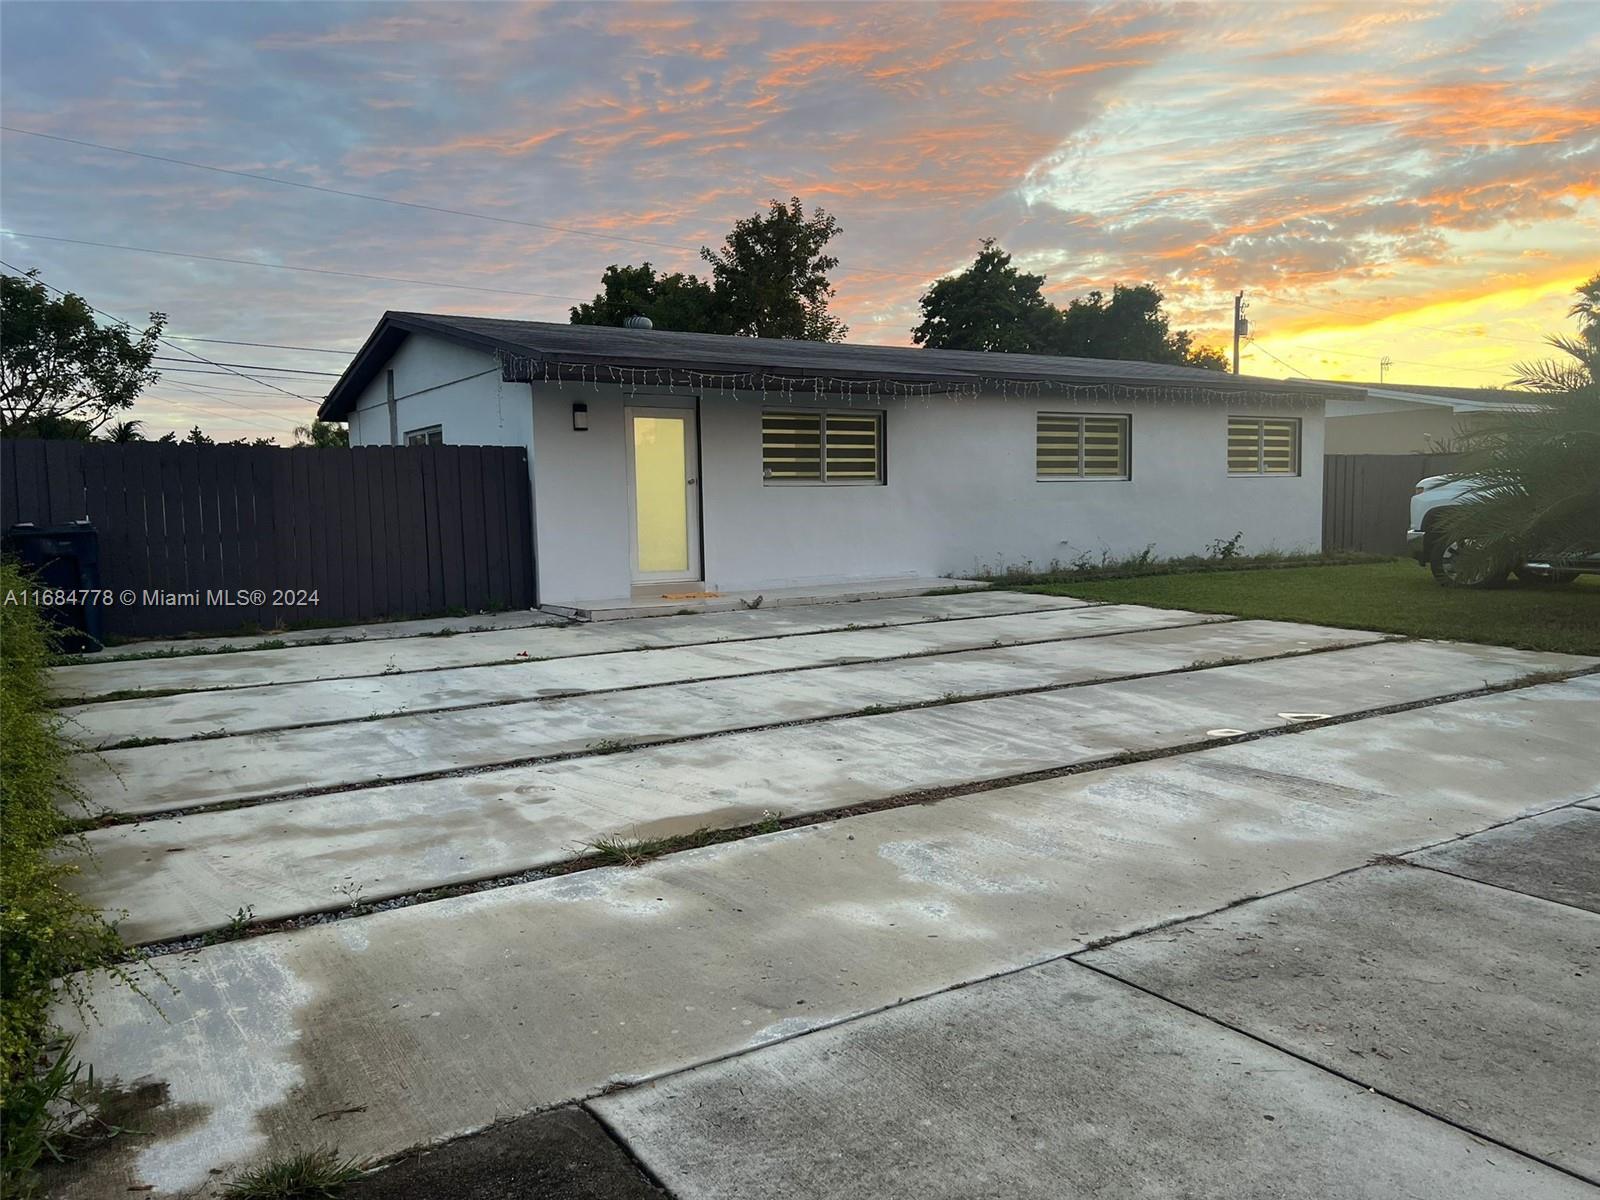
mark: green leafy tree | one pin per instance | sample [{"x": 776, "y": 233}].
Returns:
[
  {"x": 1208, "y": 358},
  {"x": 325, "y": 435},
  {"x": 769, "y": 279},
  {"x": 771, "y": 274},
  {"x": 197, "y": 437},
  {"x": 1537, "y": 473},
  {"x": 681, "y": 302},
  {"x": 989, "y": 306},
  {"x": 61, "y": 373},
  {"x": 993, "y": 306},
  {"x": 1128, "y": 325}
]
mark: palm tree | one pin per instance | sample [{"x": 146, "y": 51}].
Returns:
[
  {"x": 1536, "y": 473},
  {"x": 123, "y": 432}
]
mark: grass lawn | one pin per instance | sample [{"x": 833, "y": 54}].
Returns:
[{"x": 1396, "y": 597}]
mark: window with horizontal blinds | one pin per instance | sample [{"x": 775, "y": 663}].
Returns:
[
  {"x": 852, "y": 450},
  {"x": 812, "y": 446},
  {"x": 791, "y": 445},
  {"x": 1080, "y": 446},
  {"x": 1263, "y": 445}
]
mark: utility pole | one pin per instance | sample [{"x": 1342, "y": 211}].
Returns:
[
  {"x": 1241, "y": 327},
  {"x": 1384, "y": 364}
]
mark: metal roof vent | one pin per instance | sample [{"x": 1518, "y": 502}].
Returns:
[{"x": 637, "y": 322}]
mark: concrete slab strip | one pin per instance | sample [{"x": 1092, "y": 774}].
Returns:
[
  {"x": 1051, "y": 1083},
  {"x": 254, "y": 667},
  {"x": 289, "y": 705},
  {"x": 1555, "y": 857},
  {"x": 190, "y": 873},
  {"x": 1470, "y": 1002},
  {"x": 444, "y": 1017},
  {"x": 372, "y": 631},
  {"x": 187, "y": 774}
]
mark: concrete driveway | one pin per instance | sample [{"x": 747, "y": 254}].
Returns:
[{"x": 1227, "y": 893}]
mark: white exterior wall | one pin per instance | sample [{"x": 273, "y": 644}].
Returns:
[
  {"x": 458, "y": 388},
  {"x": 961, "y": 494}
]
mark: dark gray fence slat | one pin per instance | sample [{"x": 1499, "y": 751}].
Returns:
[
  {"x": 494, "y": 529},
  {"x": 412, "y": 523},
  {"x": 451, "y": 532},
  {"x": 474, "y": 547},
  {"x": 518, "y": 484},
  {"x": 430, "y": 457},
  {"x": 8, "y": 484}
]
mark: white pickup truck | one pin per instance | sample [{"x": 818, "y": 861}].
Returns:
[{"x": 1437, "y": 495}]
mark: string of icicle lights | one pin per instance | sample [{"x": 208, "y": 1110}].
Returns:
[{"x": 771, "y": 388}]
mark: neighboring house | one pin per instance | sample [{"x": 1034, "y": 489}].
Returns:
[
  {"x": 673, "y": 462},
  {"x": 1412, "y": 419}
]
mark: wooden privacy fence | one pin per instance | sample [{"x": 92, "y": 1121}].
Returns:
[
  {"x": 209, "y": 539},
  {"x": 1366, "y": 498}
]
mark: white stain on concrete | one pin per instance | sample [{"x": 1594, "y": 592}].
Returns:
[{"x": 233, "y": 1053}]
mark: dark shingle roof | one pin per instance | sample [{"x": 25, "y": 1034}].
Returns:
[{"x": 605, "y": 346}]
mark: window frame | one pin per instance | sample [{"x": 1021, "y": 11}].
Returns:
[
  {"x": 1126, "y": 420},
  {"x": 1261, "y": 422},
  {"x": 880, "y": 478},
  {"x": 406, "y": 439}
]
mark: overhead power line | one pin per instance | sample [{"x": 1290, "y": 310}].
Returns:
[
  {"x": 256, "y": 367},
  {"x": 249, "y": 262},
  {"x": 1278, "y": 360},
  {"x": 182, "y": 337},
  {"x": 569, "y": 230},
  {"x": 182, "y": 349}
]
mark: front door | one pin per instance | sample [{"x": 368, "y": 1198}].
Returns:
[{"x": 663, "y": 478}]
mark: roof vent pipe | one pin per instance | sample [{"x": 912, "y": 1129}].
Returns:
[{"x": 637, "y": 322}]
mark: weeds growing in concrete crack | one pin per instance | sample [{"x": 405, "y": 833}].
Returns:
[
  {"x": 238, "y": 925},
  {"x": 317, "y": 1174},
  {"x": 635, "y": 852},
  {"x": 607, "y": 746}
]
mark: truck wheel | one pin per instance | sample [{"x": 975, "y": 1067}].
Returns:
[{"x": 1445, "y": 563}]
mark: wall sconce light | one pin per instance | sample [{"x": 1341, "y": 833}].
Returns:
[{"x": 580, "y": 417}]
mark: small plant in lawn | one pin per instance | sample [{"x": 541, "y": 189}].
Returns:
[
  {"x": 317, "y": 1174},
  {"x": 1225, "y": 549}
]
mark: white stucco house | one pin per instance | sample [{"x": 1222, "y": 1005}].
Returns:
[{"x": 666, "y": 463}]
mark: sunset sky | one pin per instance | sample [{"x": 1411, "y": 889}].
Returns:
[{"x": 1417, "y": 181}]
